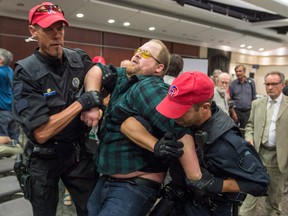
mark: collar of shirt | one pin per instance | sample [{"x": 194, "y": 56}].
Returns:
[{"x": 277, "y": 100}]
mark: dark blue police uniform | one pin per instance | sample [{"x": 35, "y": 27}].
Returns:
[
  {"x": 226, "y": 155},
  {"x": 42, "y": 87}
]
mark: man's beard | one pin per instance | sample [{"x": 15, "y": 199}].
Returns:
[
  {"x": 58, "y": 52},
  {"x": 132, "y": 70},
  {"x": 222, "y": 91}
]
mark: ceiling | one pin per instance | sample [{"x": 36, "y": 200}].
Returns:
[{"x": 219, "y": 24}]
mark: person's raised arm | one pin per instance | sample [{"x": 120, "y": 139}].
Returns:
[{"x": 137, "y": 133}]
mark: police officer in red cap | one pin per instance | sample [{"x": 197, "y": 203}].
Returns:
[
  {"x": 229, "y": 164},
  {"x": 56, "y": 101}
]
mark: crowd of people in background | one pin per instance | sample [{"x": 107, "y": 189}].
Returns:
[
  {"x": 9, "y": 129},
  {"x": 111, "y": 134}
]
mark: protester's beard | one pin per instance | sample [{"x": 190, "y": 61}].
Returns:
[{"x": 132, "y": 70}]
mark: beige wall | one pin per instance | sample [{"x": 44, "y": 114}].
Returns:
[{"x": 266, "y": 65}]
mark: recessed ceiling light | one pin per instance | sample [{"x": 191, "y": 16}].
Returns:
[
  {"x": 126, "y": 24},
  {"x": 80, "y": 15},
  {"x": 242, "y": 45},
  {"x": 111, "y": 21},
  {"x": 261, "y": 49},
  {"x": 249, "y": 47},
  {"x": 152, "y": 28}
]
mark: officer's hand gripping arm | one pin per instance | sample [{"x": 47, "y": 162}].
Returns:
[
  {"x": 168, "y": 148},
  {"x": 109, "y": 78},
  {"x": 207, "y": 184},
  {"x": 91, "y": 99}
]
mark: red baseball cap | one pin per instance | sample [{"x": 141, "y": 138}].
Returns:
[
  {"x": 46, "y": 14},
  {"x": 186, "y": 90}
]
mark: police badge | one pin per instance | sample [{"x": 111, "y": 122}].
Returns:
[{"x": 76, "y": 82}]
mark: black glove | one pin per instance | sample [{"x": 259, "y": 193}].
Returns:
[
  {"x": 207, "y": 184},
  {"x": 168, "y": 148},
  {"x": 109, "y": 77},
  {"x": 91, "y": 99}
]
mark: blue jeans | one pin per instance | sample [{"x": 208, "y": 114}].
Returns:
[
  {"x": 8, "y": 126},
  {"x": 120, "y": 199}
]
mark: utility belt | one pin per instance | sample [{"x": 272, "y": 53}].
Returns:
[
  {"x": 173, "y": 197},
  {"x": 43, "y": 152},
  {"x": 137, "y": 180},
  {"x": 215, "y": 199},
  {"x": 53, "y": 149},
  {"x": 40, "y": 152}
]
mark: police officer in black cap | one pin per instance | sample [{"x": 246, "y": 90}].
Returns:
[{"x": 56, "y": 98}]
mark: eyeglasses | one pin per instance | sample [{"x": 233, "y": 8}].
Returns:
[
  {"x": 272, "y": 84},
  {"x": 146, "y": 54},
  {"x": 49, "y": 9}
]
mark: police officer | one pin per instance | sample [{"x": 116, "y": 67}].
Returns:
[
  {"x": 222, "y": 151},
  {"x": 56, "y": 99}
]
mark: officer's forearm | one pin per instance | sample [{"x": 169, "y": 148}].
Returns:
[
  {"x": 189, "y": 159},
  {"x": 230, "y": 185},
  {"x": 57, "y": 123}
]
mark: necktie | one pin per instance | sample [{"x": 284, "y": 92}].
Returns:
[{"x": 268, "y": 121}]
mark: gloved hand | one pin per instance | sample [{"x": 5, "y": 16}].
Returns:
[
  {"x": 109, "y": 77},
  {"x": 168, "y": 148},
  {"x": 207, "y": 184},
  {"x": 91, "y": 99}
]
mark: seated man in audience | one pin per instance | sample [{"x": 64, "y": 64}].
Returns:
[{"x": 9, "y": 147}]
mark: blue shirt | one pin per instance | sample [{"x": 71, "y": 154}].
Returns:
[
  {"x": 243, "y": 93},
  {"x": 6, "y": 76}
]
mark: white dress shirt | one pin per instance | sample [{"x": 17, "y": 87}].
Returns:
[{"x": 272, "y": 128}]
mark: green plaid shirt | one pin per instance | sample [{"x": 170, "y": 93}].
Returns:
[{"x": 138, "y": 96}]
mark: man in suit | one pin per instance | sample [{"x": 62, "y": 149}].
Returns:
[{"x": 272, "y": 149}]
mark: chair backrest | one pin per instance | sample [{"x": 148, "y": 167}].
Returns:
[
  {"x": 6, "y": 165},
  {"x": 16, "y": 207}
]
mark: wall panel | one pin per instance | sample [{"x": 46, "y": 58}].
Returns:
[
  {"x": 117, "y": 40},
  {"x": 116, "y": 55},
  {"x": 113, "y": 47},
  {"x": 186, "y": 50}
]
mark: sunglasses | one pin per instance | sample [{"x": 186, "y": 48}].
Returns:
[
  {"x": 146, "y": 54},
  {"x": 48, "y": 9}
]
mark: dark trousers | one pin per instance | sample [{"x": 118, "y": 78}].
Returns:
[
  {"x": 243, "y": 116},
  {"x": 78, "y": 177}
]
